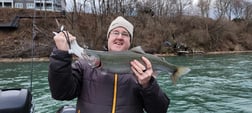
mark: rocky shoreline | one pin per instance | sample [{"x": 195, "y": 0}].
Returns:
[{"x": 8, "y": 60}]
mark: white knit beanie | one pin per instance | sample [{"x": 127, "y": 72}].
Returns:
[{"x": 121, "y": 22}]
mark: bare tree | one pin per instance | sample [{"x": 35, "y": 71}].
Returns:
[
  {"x": 112, "y": 6},
  {"x": 204, "y": 6},
  {"x": 222, "y": 8},
  {"x": 164, "y": 7},
  {"x": 75, "y": 6},
  {"x": 170, "y": 8},
  {"x": 182, "y": 6},
  {"x": 238, "y": 7},
  {"x": 159, "y": 7},
  {"x": 93, "y": 7},
  {"x": 145, "y": 7},
  {"x": 83, "y": 6},
  {"x": 248, "y": 10},
  {"x": 128, "y": 7}
]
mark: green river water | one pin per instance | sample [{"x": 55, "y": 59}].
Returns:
[{"x": 216, "y": 84}]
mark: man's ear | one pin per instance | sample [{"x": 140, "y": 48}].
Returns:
[{"x": 105, "y": 43}]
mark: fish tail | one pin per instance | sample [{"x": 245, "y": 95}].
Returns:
[{"x": 178, "y": 73}]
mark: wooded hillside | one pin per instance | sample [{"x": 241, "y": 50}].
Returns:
[{"x": 193, "y": 32}]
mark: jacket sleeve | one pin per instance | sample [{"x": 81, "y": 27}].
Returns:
[
  {"x": 155, "y": 100},
  {"x": 64, "y": 80}
]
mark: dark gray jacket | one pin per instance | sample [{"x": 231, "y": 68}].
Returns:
[{"x": 96, "y": 91}]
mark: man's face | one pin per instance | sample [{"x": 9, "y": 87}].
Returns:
[{"x": 119, "y": 39}]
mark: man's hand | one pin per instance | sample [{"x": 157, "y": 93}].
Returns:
[
  {"x": 143, "y": 74},
  {"x": 60, "y": 40}
]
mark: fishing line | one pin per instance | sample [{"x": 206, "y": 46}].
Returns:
[
  {"x": 32, "y": 47},
  {"x": 67, "y": 38}
]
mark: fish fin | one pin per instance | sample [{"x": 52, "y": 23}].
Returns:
[
  {"x": 137, "y": 49},
  {"x": 155, "y": 74},
  {"x": 163, "y": 59},
  {"x": 179, "y": 72}
]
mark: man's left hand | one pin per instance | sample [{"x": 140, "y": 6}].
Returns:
[{"x": 143, "y": 72}]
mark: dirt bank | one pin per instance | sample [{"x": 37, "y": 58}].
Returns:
[{"x": 184, "y": 32}]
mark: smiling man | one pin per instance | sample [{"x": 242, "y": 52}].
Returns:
[
  {"x": 120, "y": 34},
  {"x": 109, "y": 93}
]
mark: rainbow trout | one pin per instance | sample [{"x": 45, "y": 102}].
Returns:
[{"x": 119, "y": 62}]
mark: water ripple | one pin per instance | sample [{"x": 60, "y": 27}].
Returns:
[{"x": 216, "y": 84}]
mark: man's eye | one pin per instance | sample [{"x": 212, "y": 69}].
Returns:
[
  {"x": 116, "y": 33},
  {"x": 125, "y": 34}
]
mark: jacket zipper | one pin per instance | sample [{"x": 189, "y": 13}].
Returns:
[{"x": 115, "y": 94}]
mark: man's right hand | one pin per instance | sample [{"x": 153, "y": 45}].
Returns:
[{"x": 61, "y": 42}]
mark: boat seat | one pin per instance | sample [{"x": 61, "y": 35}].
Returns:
[
  {"x": 15, "y": 101},
  {"x": 67, "y": 109}
]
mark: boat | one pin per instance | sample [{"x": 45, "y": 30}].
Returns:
[
  {"x": 18, "y": 100},
  {"x": 67, "y": 109}
]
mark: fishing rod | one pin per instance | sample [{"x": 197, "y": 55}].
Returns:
[
  {"x": 19, "y": 100},
  {"x": 32, "y": 48}
]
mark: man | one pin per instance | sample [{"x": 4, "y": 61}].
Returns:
[{"x": 110, "y": 93}]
